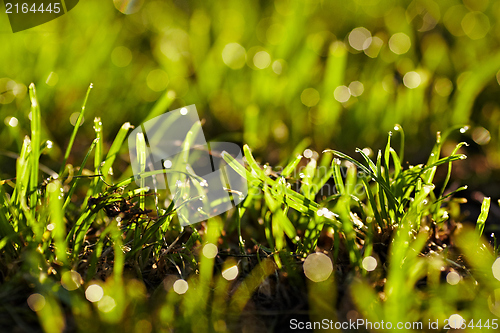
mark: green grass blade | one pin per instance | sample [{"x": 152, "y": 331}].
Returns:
[
  {"x": 35, "y": 147},
  {"x": 57, "y": 220},
  {"x": 162, "y": 104},
  {"x": 368, "y": 160},
  {"x": 337, "y": 176},
  {"x": 448, "y": 175},
  {"x": 115, "y": 149},
  {"x": 78, "y": 174},
  {"x": 399, "y": 129},
  {"x": 141, "y": 158},
  {"x": 75, "y": 130},
  {"x": 481, "y": 220},
  {"x": 291, "y": 166}
]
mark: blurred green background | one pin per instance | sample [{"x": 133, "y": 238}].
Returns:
[{"x": 267, "y": 73}]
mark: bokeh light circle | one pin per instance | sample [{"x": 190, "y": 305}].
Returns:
[
  {"x": 230, "y": 273},
  {"x": 94, "y": 293},
  {"x": 369, "y": 263},
  {"x": 318, "y": 267},
  {"x": 399, "y": 43},
  {"x": 128, "y": 6},
  {"x": 496, "y": 269},
  {"x": 181, "y": 286},
  {"x": 36, "y": 302},
  {"x": 234, "y": 55},
  {"x": 210, "y": 250}
]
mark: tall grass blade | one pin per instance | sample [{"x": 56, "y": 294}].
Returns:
[
  {"x": 75, "y": 130},
  {"x": 35, "y": 147}
]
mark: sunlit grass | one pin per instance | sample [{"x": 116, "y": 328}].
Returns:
[{"x": 376, "y": 229}]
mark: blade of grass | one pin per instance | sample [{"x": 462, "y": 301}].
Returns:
[
  {"x": 115, "y": 149},
  {"x": 78, "y": 174},
  {"x": 57, "y": 220},
  {"x": 75, "y": 130},
  {"x": 35, "y": 148},
  {"x": 481, "y": 220}
]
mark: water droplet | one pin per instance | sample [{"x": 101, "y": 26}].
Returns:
[{"x": 308, "y": 153}]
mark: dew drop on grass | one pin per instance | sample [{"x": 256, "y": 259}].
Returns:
[{"x": 308, "y": 153}]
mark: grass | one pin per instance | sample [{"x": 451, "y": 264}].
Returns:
[
  {"x": 81, "y": 268},
  {"x": 84, "y": 249}
]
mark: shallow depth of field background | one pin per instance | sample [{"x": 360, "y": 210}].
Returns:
[{"x": 269, "y": 74}]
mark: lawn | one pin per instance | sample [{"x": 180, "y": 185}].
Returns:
[{"x": 369, "y": 138}]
